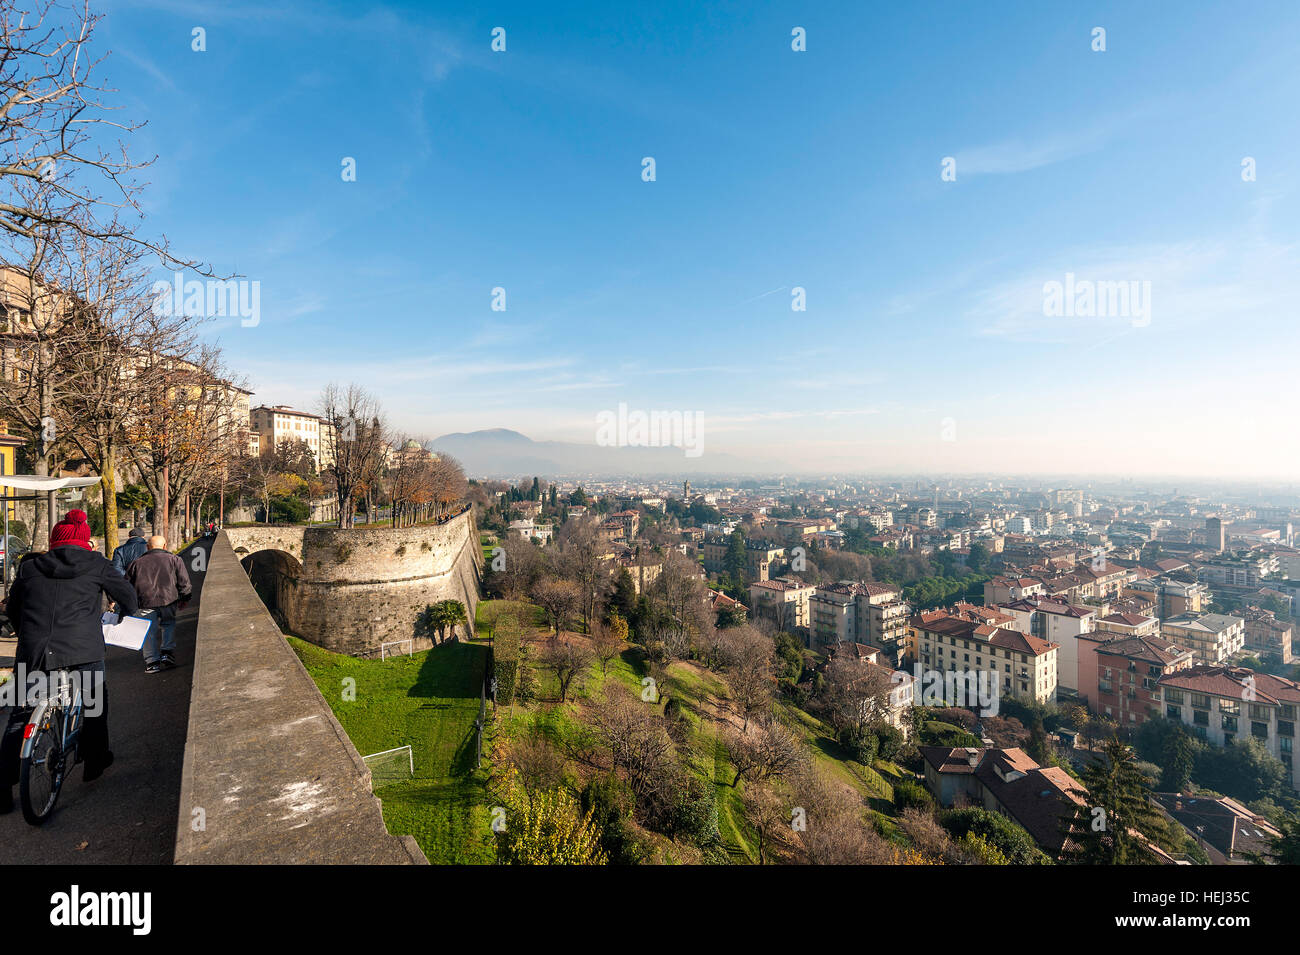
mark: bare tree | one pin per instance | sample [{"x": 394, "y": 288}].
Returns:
[
  {"x": 834, "y": 827},
  {"x": 767, "y": 750},
  {"x": 356, "y": 438},
  {"x": 539, "y": 764},
  {"x": 410, "y": 482},
  {"x": 855, "y": 693},
  {"x": 580, "y": 558},
  {"x": 608, "y": 641},
  {"x": 113, "y": 323},
  {"x": 559, "y": 598},
  {"x": 567, "y": 659},
  {"x": 638, "y": 743},
  {"x": 749, "y": 669},
  {"x": 59, "y": 132},
  {"x": 186, "y": 423},
  {"x": 679, "y": 610},
  {"x": 447, "y": 483},
  {"x": 38, "y": 334},
  {"x": 768, "y": 814}
]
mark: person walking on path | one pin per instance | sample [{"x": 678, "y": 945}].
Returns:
[
  {"x": 134, "y": 546},
  {"x": 55, "y": 605},
  {"x": 162, "y": 585}
]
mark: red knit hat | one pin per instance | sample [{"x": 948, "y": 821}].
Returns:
[{"x": 73, "y": 529}]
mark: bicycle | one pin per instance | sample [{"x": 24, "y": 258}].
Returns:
[{"x": 49, "y": 747}]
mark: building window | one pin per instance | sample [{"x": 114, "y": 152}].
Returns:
[{"x": 1174, "y": 712}]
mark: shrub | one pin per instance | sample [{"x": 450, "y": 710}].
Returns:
[
  {"x": 891, "y": 741},
  {"x": 610, "y": 802},
  {"x": 909, "y": 794},
  {"x": 935, "y": 733},
  {"x": 289, "y": 509},
  {"x": 860, "y": 742},
  {"x": 695, "y": 814},
  {"x": 998, "y": 831},
  {"x": 548, "y": 829}
]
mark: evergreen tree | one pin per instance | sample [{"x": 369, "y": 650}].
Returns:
[
  {"x": 1178, "y": 757},
  {"x": 623, "y": 600},
  {"x": 736, "y": 561},
  {"x": 1286, "y": 849},
  {"x": 1108, "y": 828}
]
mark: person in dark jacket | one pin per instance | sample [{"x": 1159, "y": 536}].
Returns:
[
  {"x": 162, "y": 585},
  {"x": 55, "y": 606},
  {"x": 134, "y": 546}
]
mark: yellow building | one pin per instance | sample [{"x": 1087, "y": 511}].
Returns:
[{"x": 9, "y": 445}]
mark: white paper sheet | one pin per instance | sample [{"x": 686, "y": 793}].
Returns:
[{"x": 128, "y": 632}]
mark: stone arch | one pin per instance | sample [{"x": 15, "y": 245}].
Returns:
[{"x": 275, "y": 575}]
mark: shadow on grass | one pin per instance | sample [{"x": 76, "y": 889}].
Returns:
[
  {"x": 451, "y": 671},
  {"x": 635, "y": 657}
]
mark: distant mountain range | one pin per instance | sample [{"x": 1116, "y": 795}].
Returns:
[{"x": 502, "y": 453}]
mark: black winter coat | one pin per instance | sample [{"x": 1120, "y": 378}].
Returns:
[{"x": 56, "y": 603}]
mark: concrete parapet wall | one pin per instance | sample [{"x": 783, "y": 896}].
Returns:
[{"x": 269, "y": 774}]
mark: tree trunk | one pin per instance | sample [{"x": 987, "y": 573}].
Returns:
[
  {"x": 41, "y": 522},
  {"x": 108, "y": 488}
]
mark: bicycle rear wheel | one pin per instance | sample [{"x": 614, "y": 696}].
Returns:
[{"x": 41, "y": 774}]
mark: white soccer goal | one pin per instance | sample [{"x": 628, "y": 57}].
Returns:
[
  {"x": 390, "y": 766},
  {"x": 385, "y": 653}
]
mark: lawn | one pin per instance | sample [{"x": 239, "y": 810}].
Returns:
[{"x": 430, "y": 701}]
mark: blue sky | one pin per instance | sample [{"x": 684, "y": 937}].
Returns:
[{"x": 924, "y": 345}]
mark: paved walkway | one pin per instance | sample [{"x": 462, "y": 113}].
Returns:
[{"x": 128, "y": 815}]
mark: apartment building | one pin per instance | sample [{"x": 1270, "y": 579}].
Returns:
[
  {"x": 1125, "y": 624},
  {"x": 760, "y": 556},
  {"x": 1057, "y": 623},
  {"x": 859, "y": 612},
  {"x": 276, "y": 423},
  {"x": 644, "y": 567},
  {"x": 1003, "y": 590},
  {"x": 784, "y": 601},
  {"x": 1221, "y": 704},
  {"x": 1118, "y": 675},
  {"x": 1026, "y": 665},
  {"x": 1242, "y": 570},
  {"x": 1267, "y": 637},
  {"x": 631, "y": 521},
  {"x": 1214, "y": 637},
  {"x": 1170, "y": 597}
]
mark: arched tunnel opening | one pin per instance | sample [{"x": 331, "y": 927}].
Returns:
[{"x": 271, "y": 573}]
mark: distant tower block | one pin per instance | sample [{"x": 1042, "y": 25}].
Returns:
[
  {"x": 1214, "y": 537},
  {"x": 686, "y": 491}
]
